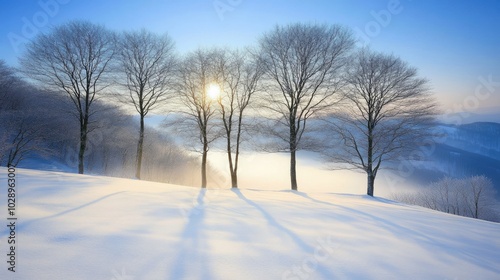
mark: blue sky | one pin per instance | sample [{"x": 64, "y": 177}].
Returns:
[{"x": 454, "y": 44}]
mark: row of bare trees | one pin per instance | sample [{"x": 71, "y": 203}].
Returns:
[
  {"x": 375, "y": 107},
  {"x": 470, "y": 197},
  {"x": 35, "y": 132},
  {"x": 373, "y": 103}
]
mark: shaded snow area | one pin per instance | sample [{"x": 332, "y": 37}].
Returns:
[{"x": 87, "y": 227}]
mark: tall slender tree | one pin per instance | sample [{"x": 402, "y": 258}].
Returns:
[
  {"x": 197, "y": 87},
  {"x": 239, "y": 79},
  {"x": 148, "y": 63},
  {"x": 74, "y": 58},
  {"x": 302, "y": 64}
]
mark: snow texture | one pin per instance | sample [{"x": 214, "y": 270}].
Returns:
[{"x": 89, "y": 227}]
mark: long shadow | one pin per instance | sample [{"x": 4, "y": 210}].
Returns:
[
  {"x": 192, "y": 241},
  {"x": 24, "y": 224},
  {"x": 407, "y": 232},
  {"x": 272, "y": 221},
  {"x": 387, "y": 223},
  {"x": 305, "y": 195}
]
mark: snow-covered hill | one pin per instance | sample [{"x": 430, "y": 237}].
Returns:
[{"x": 87, "y": 227}]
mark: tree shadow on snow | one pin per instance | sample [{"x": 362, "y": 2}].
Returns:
[
  {"x": 193, "y": 249},
  {"x": 402, "y": 232},
  {"x": 23, "y": 224},
  {"x": 306, "y": 248}
]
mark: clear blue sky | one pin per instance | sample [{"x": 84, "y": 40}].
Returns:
[{"x": 452, "y": 43}]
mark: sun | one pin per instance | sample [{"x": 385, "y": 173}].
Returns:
[{"x": 213, "y": 91}]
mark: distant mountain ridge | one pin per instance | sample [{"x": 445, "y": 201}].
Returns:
[
  {"x": 491, "y": 114},
  {"x": 467, "y": 150},
  {"x": 481, "y": 137}
]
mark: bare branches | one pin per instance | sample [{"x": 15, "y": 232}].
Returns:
[
  {"x": 197, "y": 72},
  {"x": 469, "y": 197},
  {"x": 239, "y": 75},
  {"x": 389, "y": 111},
  {"x": 24, "y": 120},
  {"x": 8, "y": 80},
  {"x": 147, "y": 64},
  {"x": 302, "y": 66},
  {"x": 74, "y": 58}
]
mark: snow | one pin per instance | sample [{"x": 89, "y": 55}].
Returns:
[{"x": 89, "y": 227}]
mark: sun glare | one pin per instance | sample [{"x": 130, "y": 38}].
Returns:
[{"x": 213, "y": 91}]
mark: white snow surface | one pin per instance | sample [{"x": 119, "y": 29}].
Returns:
[{"x": 89, "y": 227}]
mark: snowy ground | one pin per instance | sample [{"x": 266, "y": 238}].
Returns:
[{"x": 84, "y": 227}]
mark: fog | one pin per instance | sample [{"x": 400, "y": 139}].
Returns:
[{"x": 270, "y": 171}]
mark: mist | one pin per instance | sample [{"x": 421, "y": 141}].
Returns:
[{"x": 271, "y": 171}]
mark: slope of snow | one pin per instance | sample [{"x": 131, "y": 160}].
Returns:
[{"x": 85, "y": 227}]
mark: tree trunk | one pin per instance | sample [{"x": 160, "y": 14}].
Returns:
[
  {"x": 204, "y": 165},
  {"x": 371, "y": 182},
  {"x": 234, "y": 173},
  {"x": 293, "y": 150},
  {"x": 234, "y": 179},
  {"x": 232, "y": 170},
  {"x": 293, "y": 171},
  {"x": 83, "y": 146},
  {"x": 139, "y": 150},
  {"x": 369, "y": 168},
  {"x": 476, "y": 208}
]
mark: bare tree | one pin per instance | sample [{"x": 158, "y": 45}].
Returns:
[
  {"x": 302, "y": 64},
  {"x": 470, "y": 197},
  {"x": 25, "y": 120},
  {"x": 148, "y": 63},
  {"x": 389, "y": 111},
  {"x": 197, "y": 75},
  {"x": 7, "y": 81},
  {"x": 19, "y": 130},
  {"x": 25, "y": 135},
  {"x": 477, "y": 194},
  {"x": 74, "y": 58},
  {"x": 239, "y": 78}
]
